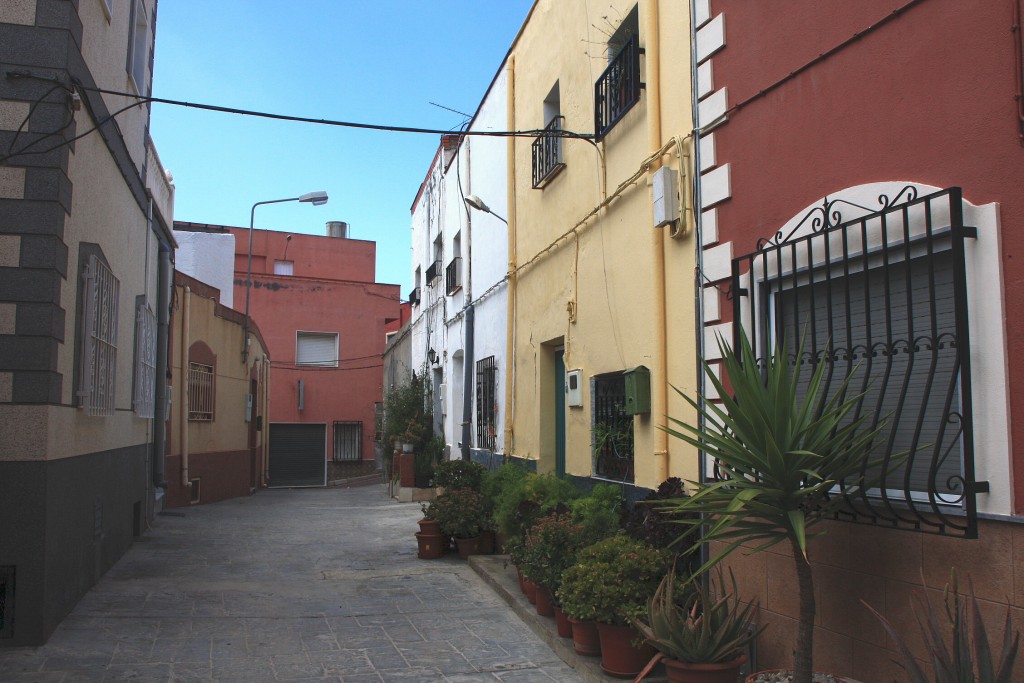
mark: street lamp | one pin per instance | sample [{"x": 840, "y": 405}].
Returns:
[
  {"x": 316, "y": 199},
  {"x": 476, "y": 203}
]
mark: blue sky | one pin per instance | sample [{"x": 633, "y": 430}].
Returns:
[{"x": 379, "y": 61}]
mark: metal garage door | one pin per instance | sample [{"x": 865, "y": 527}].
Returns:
[{"x": 297, "y": 455}]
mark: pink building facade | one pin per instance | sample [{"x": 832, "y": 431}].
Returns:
[
  {"x": 323, "y": 318},
  {"x": 856, "y": 164}
]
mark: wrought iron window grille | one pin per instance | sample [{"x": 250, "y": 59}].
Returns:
[
  {"x": 486, "y": 403},
  {"x": 612, "y": 429},
  {"x": 434, "y": 271},
  {"x": 547, "y": 153},
  {"x": 453, "y": 275},
  {"x": 882, "y": 298},
  {"x": 618, "y": 88},
  {"x": 200, "y": 392},
  {"x": 348, "y": 441}
]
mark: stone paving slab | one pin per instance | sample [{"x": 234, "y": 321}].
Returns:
[{"x": 289, "y": 585}]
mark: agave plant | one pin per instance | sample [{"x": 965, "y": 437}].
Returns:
[
  {"x": 970, "y": 659},
  {"x": 708, "y": 625},
  {"x": 782, "y": 448}
]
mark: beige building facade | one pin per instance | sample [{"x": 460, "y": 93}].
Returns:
[{"x": 85, "y": 262}]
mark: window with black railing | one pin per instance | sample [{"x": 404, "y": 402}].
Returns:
[
  {"x": 486, "y": 403},
  {"x": 453, "y": 276},
  {"x": 618, "y": 88},
  {"x": 881, "y": 299},
  {"x": 434, "y": 271},
  {"x": 612, "y": 429},
  {"x": 547, "y": 153}
]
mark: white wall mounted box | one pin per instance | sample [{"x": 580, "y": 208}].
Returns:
[
  {"x": 574, "y": 388},
  {"x": 664, "y": 189}
]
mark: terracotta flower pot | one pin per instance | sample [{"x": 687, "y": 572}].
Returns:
[
  {"x": 431, "y": 527},
  {"x": 431, "y": 547},
  {"x": 684, "y": 672},
  {"x": 585, "y": 640},
  {"x": 619, "y": 657},
  {"x": 531, "y": 591},
  {"x": 486, "y": 542},
  {"x": 522, "y": 581},
  {"x": 544, "y": 603},
  {"x": 562, "y": 624},
  {"x": 468, "y": 546}
]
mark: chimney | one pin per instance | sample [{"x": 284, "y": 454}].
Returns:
[{"x": 337, "y": 229}]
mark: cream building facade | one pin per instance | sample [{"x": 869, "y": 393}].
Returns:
[{"x": 601, "y": 256}]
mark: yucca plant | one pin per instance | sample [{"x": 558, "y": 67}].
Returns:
[
  {"x": 970, "y": 659},
  {"x": 706, "y": 625},
  {"x": 782, "y": 448}
]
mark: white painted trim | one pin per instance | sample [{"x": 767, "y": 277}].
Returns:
[
  {"x": 711, "y": 335},
  {"x": 718, "y": 262},
  {"x": 710, "y": 38},
  {"x": 708, "y": 159},
  {"x": 710, "y": 393},
  {"x": 702, "y": 11},
  {"x": 705, "y": 79},
  {"x": 712, "y": 304},
  {"x": 716, "y": 186},
  {"x": 712, "y": 110},
  {"x": 708, "y": 228}
]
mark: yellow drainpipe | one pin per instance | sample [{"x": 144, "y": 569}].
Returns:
[
  {"x": 183, "y": 354},
  {"x": 510, "y": 322},
  {"x": 660, "y": 374}
]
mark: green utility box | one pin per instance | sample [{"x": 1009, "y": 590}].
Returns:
[{"x": 638, "y": 390}]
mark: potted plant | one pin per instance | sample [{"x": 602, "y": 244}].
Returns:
[
  {"x": 549, "y": 549},
  {"x": 461, "y": 514},
  {"x": 779, "y": 454},
  {"x": 970, "y": 652},
  {"x": 610, "y": 584},
  {"x": 700, "y": 627}
]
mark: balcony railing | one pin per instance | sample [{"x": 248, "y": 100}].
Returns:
[
  {"x": 414, "y": 296},
  {"x": 547, "y": 153},
  {"x": 434, "y": 271},
  {"x": 618, "y": 88},
  {"x": 453, "y": 275}
]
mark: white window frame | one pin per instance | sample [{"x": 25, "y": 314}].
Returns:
[
  {"x": 144, "y": 400},
  {"x": 318, "y": 338},
  {"x": 98, "y": 378},
  {"x": 139, "y": 45},
  {"x": 286, "y": 268},
  {"x": 988, "y": 350}
]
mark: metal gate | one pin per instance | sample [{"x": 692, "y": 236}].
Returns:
[{"x": 298, "y": 455}]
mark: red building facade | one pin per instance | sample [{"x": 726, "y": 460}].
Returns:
[
  {"x": 323, "y": 318},
  {"x": 858, "y": 156}
]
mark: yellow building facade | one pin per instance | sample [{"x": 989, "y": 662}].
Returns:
[{"x": 596, "y": 289}]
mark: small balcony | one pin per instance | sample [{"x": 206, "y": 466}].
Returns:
[
  {"x": 414, "y": 297},
  {"x": 547, "y": 153},
  {"x": 453, "y": 276},
  {"x": 434, "y": 271},
  {"x": 618, "y": 88}
]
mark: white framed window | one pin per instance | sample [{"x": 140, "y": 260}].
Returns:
[
  {"x": 908, "y": 298},
  {"x": 284, "y": 267},
  {"x": 139, "y": 46},
  {"x": 316, "y": 348},
  {"x": 144, "y": 399},
  {"x": 201, "y": 379},
  {"x": 99, "y": 338}
]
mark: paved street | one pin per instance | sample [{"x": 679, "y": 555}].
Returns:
[{"x": 289, "y": 585}]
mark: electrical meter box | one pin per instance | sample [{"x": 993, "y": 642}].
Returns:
[
  {"x": 574, "y": 388},
  {"x": 638, "y": 390},
  {"x": 665, "y": 194}
]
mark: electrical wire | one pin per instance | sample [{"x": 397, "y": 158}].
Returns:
[{"x": 141, "y": 100}]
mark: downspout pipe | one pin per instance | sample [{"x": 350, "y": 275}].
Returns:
[
  {"x": 183, "y": 416},
  {"x": 660, "y": 379},
  {"x": 510, "y": 322},
  {"x": 467, "y": 384},
  {"x": 163, "y": 316}
]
